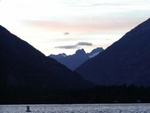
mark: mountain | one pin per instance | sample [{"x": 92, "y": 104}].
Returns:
[
  {"x": 72, "y": 61},
  {"x": 75, "y": 60},
  {"x": 95, "y": 52},
  {"x": 21, "y": 65},
  {"x": 124, "y": 62}
]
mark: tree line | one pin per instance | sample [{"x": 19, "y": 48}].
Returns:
[{"x": 98, "y": 94}]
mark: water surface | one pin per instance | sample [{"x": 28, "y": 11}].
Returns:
[{"x": 78, "y": 108}]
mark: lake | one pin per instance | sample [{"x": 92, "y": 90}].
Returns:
[{"x": 77, "y": 108}]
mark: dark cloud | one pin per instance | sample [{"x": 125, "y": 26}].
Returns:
[
  {"x": 84, "y": 44},
  {"x": 75, "y": 46},
  {"x": 67, "y": 47},
  {"x": 66, "y": 33}
]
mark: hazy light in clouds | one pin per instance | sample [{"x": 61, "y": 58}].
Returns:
[{"x": 43, "y": 22}]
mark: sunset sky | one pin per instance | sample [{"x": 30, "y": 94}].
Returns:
[{"x": 57, "y": 26}]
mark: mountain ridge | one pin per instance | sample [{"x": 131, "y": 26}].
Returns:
[
  {"x": 75, "y": 60},
  {"x": 124, "y": 62},
  {"x": 23, "y": 65}
]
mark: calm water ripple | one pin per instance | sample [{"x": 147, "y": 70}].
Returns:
[{"x": 77, "y": 108}]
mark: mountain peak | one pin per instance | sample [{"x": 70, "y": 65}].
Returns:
[
  {"x": 80, "y": 52},
  {"x": 1, "y": 27},
  {"x": 95, "y": 52},
  {"x": 75, "y": 60},
  {"x": 3, "y": 30}
]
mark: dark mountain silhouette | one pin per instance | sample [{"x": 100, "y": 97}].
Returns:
[
  {"x": 22, "y": 65},
  {"x": 75, "y": 60},
  {"x": 124, "y": 62}
]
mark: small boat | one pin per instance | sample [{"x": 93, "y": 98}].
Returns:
[{"x": 28, "y": 109}]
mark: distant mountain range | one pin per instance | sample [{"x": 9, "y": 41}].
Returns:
[
  {"x": 21, "y": 65},
  {"x": 75, "y": 60},
  {"x": 126, "y": 62}
]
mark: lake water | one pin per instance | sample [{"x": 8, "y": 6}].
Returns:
[{"x": 77, "y": 108}]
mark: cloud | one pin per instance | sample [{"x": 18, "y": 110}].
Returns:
[
  {"x": 67, "y": 47},
  {"x": 108, "y": 4},
  {"x": 75, "y": 46},
  {"x": 84, "y": 44},
  {"x": 66, "y": 33},
  {"x": 90, "y": 3},
  {"x": 92, "y": 24}
]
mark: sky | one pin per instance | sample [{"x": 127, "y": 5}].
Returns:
[{"x": 63, "y": 26}]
